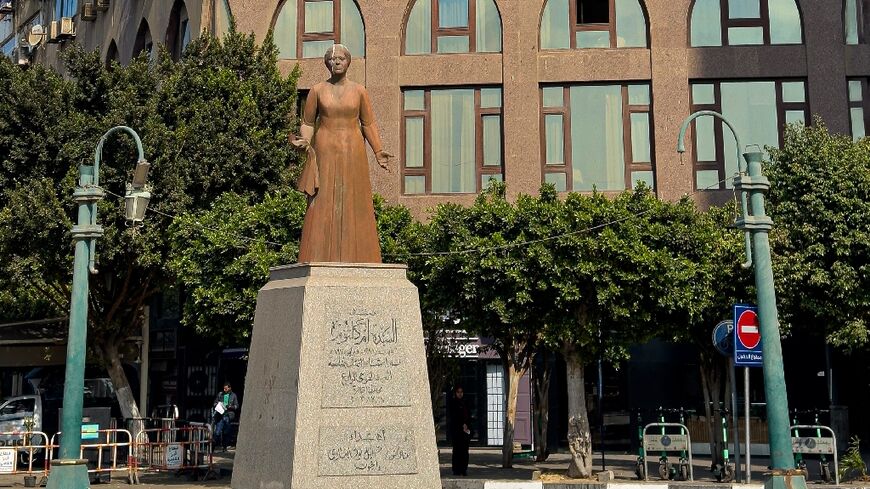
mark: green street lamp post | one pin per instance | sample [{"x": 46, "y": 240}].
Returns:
[
  {"x": 757, "y": 224},
  {"x": 69, "y": 471}
]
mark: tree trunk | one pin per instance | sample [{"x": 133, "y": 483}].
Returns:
[
  {"x": 514, "y": 376},
  {"x": 126, "y": 398},
  {"x": 711, "y": 376},
  {"x": 579, "y": 434},
  {"x": 541, "y": 379}
]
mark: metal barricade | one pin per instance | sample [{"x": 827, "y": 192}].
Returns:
[
  {"x": 816, "y": 445},
  {"x": 24, "y": 453},
  {"x": 662, "y": 442},
  {"x": 105, "y": 453},
  {"x": 178, "y": 449}
]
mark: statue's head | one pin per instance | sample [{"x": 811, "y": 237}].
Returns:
[{"x": 337, "y": 59}]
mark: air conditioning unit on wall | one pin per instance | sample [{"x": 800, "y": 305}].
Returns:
[
  {"x": 6, "y": 7},
  {"x": 54, "y": 32},
  {"x": 102, "y": 5},
  {"x": 67, "y": 28},
  {"x": 89, "y": 11}
]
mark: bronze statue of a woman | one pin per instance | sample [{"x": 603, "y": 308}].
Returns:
[{"x": 340, "y": 221}]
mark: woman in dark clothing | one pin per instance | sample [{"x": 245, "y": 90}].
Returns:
[{"x": 460, "y": 432}]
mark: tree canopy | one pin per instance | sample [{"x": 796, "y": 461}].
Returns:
[
  {"x": 215, "y": 122},
  {"x": 820, "y": 205}
]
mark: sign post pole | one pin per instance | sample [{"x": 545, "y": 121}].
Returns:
[{"x": 746, "y": 418}]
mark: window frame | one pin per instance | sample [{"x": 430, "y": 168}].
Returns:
[
  {"x": 763, "y": 21},
  {"x": 302, "y": 37},
  {"x": 576, "y": 26},
  {"x": 437, "y": 31},
  {"x": 862, "y": 22},
  {"x": 481, "y": 170},
  {"x": 863, "y": 104},
  {"x": 567, "y": 166},
  {"x": 718, "y": 125}
]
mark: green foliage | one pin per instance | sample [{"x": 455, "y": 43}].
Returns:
[
  {"x": 852, "y": 464},
  {"x": 820, "y": 205},
  {"x": 222, "y": 269},
  {"x": 214, "y": 123}
]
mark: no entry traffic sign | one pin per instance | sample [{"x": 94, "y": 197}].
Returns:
[{"x": 747, "y": 336}]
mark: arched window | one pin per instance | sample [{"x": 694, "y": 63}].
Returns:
[
  {"x": 144, "y": 41},
  {"x": 745, "y": 22},
  {"x": 307, "y": 28},
  {"x": 221, "y": 18},
  {"x": 453, "y": 26},
  {"x": 578, "y": 24},
  {"x": 178, "y": 32},
  {"x": 112, "y": 54}
]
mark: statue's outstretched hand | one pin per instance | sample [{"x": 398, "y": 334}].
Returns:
[{"x": 384, "y": 158}]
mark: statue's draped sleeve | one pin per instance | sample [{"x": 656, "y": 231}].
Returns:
[
  {"x": 367, "y": 121},
  {"x": 309, "y": 181}
]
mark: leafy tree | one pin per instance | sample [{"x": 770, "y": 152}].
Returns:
[
  {"x": 221, "y": 267},
  {"x": 820, "y": 205},
  {"x": 713, "y": 251},
  {"x": 489, "y": 282},
  {"x": 621, "y": 273},
  {"x": 215, "y": 122}
]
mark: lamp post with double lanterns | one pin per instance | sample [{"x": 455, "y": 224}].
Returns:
[
  {"x": 69, "y": 471},
  {"x": 751, "y": 185}
]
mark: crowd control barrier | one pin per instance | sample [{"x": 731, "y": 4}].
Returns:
[
  {"x": 178, "y": 449},
  {"x": 107, "y": 452},
  {"x": 24, "y": 453}
]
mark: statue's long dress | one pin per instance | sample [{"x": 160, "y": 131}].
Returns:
[{"x": 340, "y": 222}]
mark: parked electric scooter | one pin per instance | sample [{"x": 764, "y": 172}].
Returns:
[
  {"x": 799, "y": 462},
  {"x": 640, "y": 465},
  {"x": 724, "y": 472},
  {"x": 684, "y": 456},
  {"x": 824, "y": 467},
  {"x": 666, "y": 471}
]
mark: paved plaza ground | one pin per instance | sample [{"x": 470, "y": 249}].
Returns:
[{"x": 485, "y": 466}]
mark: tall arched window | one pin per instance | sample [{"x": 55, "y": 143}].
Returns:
[
  {"x": 221, "y": 17},
  {"x": 453, "y": 26},
  {"x": 307, "y": 28},
  {"x": 144, "y": 41},
  {"x": 745, "y": 23},
  {"x": 112, "y": 54},
  {"x": 578, "y": 24},
  {"x": 178, "y": 32},
  {"x": 856, "y": 18}
]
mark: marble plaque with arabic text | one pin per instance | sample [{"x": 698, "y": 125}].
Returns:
[
  {"x": 366, "y": 359},
  {"x": 346, "y": 451}
]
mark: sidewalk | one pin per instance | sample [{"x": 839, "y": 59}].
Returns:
[{"x": 485, "y": 472}]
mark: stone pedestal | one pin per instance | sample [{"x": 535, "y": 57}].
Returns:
[{"x": 337, "y": 392}]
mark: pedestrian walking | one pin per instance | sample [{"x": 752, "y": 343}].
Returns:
[
  {"x": 226, "y": 404},
  {"x": 461, "y": 433}
]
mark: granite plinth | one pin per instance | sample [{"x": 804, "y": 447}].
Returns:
[{"x": 337, "y": 391}]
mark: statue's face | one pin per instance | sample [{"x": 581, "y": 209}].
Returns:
[{"x": 338, "y": 62}]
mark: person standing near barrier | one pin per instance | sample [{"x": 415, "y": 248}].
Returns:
[
  {"x": 460, "y": 420},
  {"x": 226, "y": 404}
]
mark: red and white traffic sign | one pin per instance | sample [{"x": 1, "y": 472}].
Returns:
[{"x": 747, "y": 329}]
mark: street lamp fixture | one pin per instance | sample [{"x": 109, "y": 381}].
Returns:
[
  {"x": 69, "y": 471},
  {"x": 751, "y": 184},
  {"x": 138, "y": 194}
]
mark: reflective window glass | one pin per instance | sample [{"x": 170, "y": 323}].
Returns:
[
  {"x": 318, "y": 16},
  {"x": 452, "y": 13},
  {"x": 559, "y": 180},
  {"x": 597, "y": 151}
]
